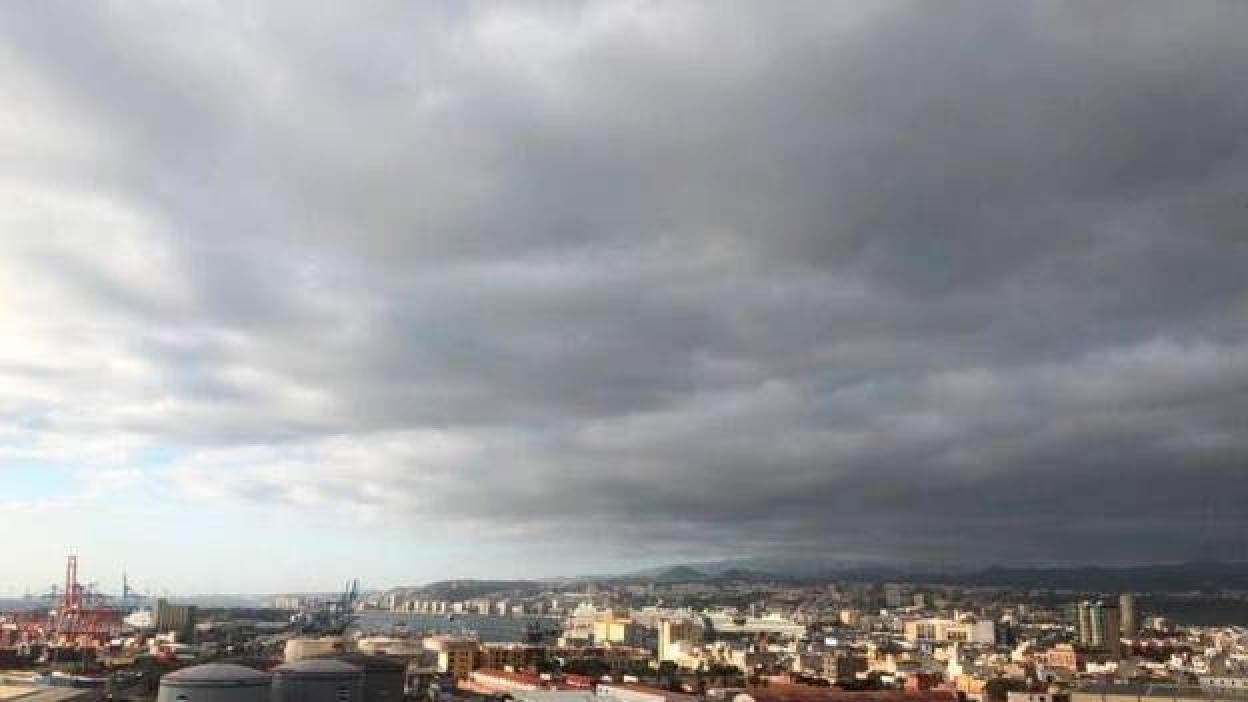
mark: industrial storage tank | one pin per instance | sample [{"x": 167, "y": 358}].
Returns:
[
  {"x": 384, "y": 678},
  {"x": 301, "y": 648},
  {"x": 215, "y": 682},
  {"x": 317, "y": 680}
]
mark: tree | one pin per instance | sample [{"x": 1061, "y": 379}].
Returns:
[
  {"x": 999, "y": 689},
  {"x": 547, "y": 665},
  {"x": 589, "y": 667}
]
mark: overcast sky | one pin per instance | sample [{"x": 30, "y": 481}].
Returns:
[{"x": 293, "y": 292}]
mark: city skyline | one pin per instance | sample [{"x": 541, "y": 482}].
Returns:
[{"x": 412, "y": 291}]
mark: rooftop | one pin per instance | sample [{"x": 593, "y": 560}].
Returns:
[
  {"x": 217, "y": 673},
  {"x": 1167, "y": 691},
  {"x": 668, "y": 695},
  {"x": 319, "y": 666},
  {"x": 52, "y": 694},
  {"x": 370, "y": 663},
  {"x": 782, "y": 692}
]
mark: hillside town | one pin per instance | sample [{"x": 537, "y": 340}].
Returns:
[{"x": 679, "y": 636}]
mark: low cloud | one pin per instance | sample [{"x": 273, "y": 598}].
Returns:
[{"x": 957, "y": 283}]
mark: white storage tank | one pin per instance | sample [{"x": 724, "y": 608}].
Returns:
[
  {"x": 298, "y": 649},
  {"x": 317, "y": 680},
  {"x": 384, "y": 677},
  {"x": 215, "y": 682}
]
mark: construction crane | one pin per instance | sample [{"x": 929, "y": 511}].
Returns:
[
  {"x": 350, "y": 594},
  {"x": 344, "y": 614},
  {"x": 79, "y": 618},
  {"x": 330, "y": 616}
]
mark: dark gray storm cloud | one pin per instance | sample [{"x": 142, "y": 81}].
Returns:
[{"x": 957, "y": 281}]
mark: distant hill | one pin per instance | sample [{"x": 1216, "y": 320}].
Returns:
[
  {"x": 1179, "y": 577},
  {"x": 1205, "y": 577},
  {"x": 745, "y": 575},
  {"x": 680, "y": 574},
  {"x": 773, "y": 568},
  {"x": 468, "y": 589},
  {"x": 1168, "y": 583}
]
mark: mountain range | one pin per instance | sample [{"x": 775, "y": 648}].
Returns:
[{"x": 1202, "y": 576}]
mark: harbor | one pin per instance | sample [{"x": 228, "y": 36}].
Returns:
[{"x": 487, "y": 628}]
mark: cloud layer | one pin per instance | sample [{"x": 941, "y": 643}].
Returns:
[{"x": 959, "y": 281}]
